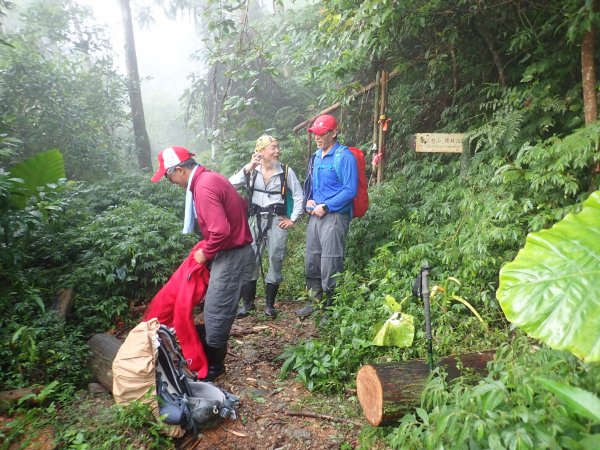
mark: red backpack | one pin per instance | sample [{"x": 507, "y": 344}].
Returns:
[{"x": 360, "y": 204}]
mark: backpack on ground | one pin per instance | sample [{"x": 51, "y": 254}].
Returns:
[
  {"x": 150, "y": 361},
  {"x": 183, "y": 400}
]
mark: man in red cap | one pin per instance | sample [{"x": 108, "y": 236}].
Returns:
[
  {"x": 329, "y": 190},
  {"x": 226, "y": 249}
]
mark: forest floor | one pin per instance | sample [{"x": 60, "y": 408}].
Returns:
[{"x": 274, "y": 413}]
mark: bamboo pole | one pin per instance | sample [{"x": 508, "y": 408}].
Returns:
[
  {"x": 374, "y": 147},
  {"x": 335, "y": 106},
  {"x": 382, "y": 108}
]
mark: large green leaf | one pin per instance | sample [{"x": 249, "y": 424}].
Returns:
[
  {"x": 39, "y": 170},
  {"x": 578, "y": 400},
  {"x": 552, "y": 288},
  {"x": 397, "y": 331}
]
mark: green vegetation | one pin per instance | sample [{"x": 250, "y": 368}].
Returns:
[{"x": 507, "y": 74}]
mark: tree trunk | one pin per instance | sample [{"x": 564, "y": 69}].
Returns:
[
  {"x": 487, "y": 38},
  {"x": 588, "y": 74},
  {"x": 104, "y": 349},
  {"x": 588, "y": 81},
  {"x": 63, "y": 302},
  {"x": 142, "y": 143},
  {"x": 387, "y": 391}
]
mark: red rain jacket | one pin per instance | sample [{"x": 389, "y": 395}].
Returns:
[{"x": 173, "y": 306}]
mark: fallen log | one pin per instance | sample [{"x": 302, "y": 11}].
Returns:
[
  {"x": 387, "y": 391},
  {"x": 14, "y": 395},
  {"x": 104, "y": 349}
]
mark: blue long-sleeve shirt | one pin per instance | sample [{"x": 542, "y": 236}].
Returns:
[{"x": 327, "y": 187}]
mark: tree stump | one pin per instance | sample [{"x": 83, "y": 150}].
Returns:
[
  {"x": 387, "y": 391},
  {"x": 104, "y": 349}
]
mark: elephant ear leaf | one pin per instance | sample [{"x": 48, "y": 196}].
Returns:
[
  {"x": 552, "y": 288},
  {"x": 37, "y": 171}
]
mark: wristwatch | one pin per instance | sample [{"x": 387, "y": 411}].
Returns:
[{"x": 325, "y": 207}]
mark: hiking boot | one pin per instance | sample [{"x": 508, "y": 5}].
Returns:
[
  {"x": 216, "y": 362},
  {"x": 307, "y": 310},
  {"x": 270, "y": 310},
  {"x": 248, "y": 295}
]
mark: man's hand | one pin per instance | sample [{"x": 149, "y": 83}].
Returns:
[
  {"x": 254, "y": 161},
  {"x": 310, "y": 206},
  {"x": 319, "y": 211},
  {"x": 285, "y": 223},
  {"x": 199, "y": 256}
]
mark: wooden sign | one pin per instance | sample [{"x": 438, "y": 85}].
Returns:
[{"x": 439, "y": 142}]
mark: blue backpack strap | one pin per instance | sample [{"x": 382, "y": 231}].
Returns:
[
  {"x": 337, "y": 160},
  {"x": 308, "y": 180}
]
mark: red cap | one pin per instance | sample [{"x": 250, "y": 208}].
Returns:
[
  {"x": 168, "y": 158},
  {"x": 323, "y": 124}
]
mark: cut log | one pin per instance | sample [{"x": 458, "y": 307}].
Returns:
[
  {"x": 387, "y": 391},
  {"x": 104, "y": 349}
]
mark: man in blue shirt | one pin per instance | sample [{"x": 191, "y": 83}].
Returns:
[{"x": 330, "y": 187}]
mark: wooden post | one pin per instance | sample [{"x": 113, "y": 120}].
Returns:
[
  {"x": 104, "y": 349},
  {"x": 375, "y": 147},
  {"x": 387, "y": 391},
  {"x": 382, "y": 107}
]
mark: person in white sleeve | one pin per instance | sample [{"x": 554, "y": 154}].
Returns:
[{"x": 276, "y": 198}]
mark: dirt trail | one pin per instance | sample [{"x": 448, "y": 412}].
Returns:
[{"x": 273, "y": 413}]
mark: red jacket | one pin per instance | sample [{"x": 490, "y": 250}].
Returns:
[
  {"x": 173, "y": 306},
  {"x": 221, "y": 212}
]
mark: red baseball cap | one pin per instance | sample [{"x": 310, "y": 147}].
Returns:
[
  {"x": 323, "y": 124},
  {"x": 168, "y": 158}
]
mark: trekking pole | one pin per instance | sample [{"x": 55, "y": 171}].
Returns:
[
  {"x": 262, "y": 238},
  {"x": 425, "y": 296},
  {"x": 259, "y": 258}
]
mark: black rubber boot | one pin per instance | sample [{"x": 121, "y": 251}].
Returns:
[
  {"x": 248, "y": 296},
  {"x": 216, "y": 362},
  {"x": 270, "y": 310}
]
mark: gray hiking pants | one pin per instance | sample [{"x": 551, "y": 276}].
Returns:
[
  {"x": 274, "y": 239},
  {"x": 229, "y": 271},
  {"x": 325, "y": 247}
]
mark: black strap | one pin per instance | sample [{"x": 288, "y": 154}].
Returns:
[{"x": 283, "y": 175}]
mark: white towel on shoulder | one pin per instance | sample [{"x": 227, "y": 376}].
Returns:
[{"x": 190, "y": 211}]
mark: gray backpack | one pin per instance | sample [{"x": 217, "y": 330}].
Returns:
[{"x": 184, "y": 401}]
